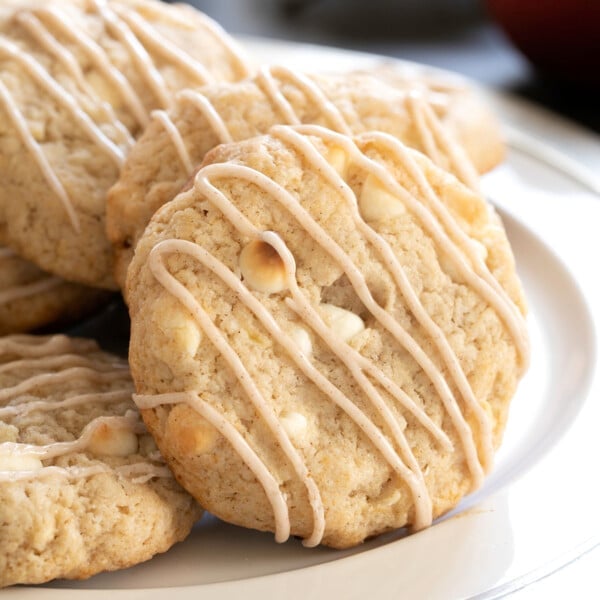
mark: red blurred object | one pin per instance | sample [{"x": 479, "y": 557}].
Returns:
[{"x": 560, "y": 37}]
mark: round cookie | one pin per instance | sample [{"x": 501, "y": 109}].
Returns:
[
  {"x": 31, "y": 299},
  {"x": 83, "y": 488},
  {"x": 78, "y": 82},
  {"x": 326, "y": 335},
  {"x": 425, "y": 113}
]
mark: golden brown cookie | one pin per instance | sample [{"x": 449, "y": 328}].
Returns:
[
  {"x": 83, "y": 488},
  {"x": 326, "y": 335},
  {"x": 427, "y": 115},
  {"x": 31, "y": 299},
  {"x": 78, "y": 82}
]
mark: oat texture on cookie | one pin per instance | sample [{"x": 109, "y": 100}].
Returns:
[
  {"x": 327, "y": 332},
  {"x": 79, "y": 80},
  {"x": 445, "y": 120},
  {"x": 83, "y": 488}
]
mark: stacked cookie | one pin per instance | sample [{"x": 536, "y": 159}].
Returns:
[
  {"x": 83, "y": 488},
  {"x": 327, "y": 326}
]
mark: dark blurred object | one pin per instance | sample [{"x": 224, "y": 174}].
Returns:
[{"x": 560, "y": 37}]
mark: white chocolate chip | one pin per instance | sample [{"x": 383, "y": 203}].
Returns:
[
  {"x": 103, "y": 89},
  {"x": 338, "y": 159},
  {"x": 19, "y": 462},
  {"x": 178, "y": 327},
  {"x": 113, "y": 441},
  {"x": 377, "y": 203},
  {"x": 38, "y": 130},
  {"x": 262, "y": 268},
  {"x": 480, "y": 249},
  {"x": 302, "y": 339},
  {"x": 183, "y": 329},
  {"x": 295, "y": 424},
  {"x": 344, "y": 323}
]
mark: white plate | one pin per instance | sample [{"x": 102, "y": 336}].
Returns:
[{"x": 539, "y": 508}]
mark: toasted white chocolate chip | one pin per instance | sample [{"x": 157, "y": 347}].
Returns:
[
  {"x": 377, "y": 203},
  {"x": 190, "y": 438},
  {"x": 338, "y": 159},
  {"x": 19, "y": 462},
  {"x": 302, "y": 339},
  {"x": 295, "y": 424},
  {"x": 262, "y": 268},
  {"x": 344, "y": 323},
  {"x": 113, "y": 441}
]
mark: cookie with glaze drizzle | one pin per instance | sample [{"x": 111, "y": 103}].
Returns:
[
  {"x": 83, "y": 488},
  {"x": 326, "y": 335}
]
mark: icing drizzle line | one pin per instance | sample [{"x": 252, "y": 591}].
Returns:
[
  {"x": 17, "y": 292},
  {"x": 462, "y": 253}
]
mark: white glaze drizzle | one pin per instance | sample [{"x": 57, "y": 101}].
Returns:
[
  {"x": 310, "y": 89},
  {"x": 137, "y": 473},
  {"x": 28, "y": 346},
  {"x": 273, "y": 92},
  {"x": 26, "y": 408},
  {"x": 430, "y": 126},
  {"x": 19, "y": 292},
  {"x": 61, "y": 376},
  {"x": 163, "y": 118},
  {"x": 34, "y": 148},
  {"x": 61, "y": 361},
  {"x": 204, "y": 105}
]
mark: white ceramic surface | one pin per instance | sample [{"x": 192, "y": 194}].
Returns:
[{"x": 539, "y": 508}]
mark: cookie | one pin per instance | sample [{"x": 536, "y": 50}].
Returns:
[
  {"x": 83, "y": 488},
  {"x": 175, "y": 142},
  {"x": 31, "y": 299},
  {"x": 78, "y": 82},
  {"x": 458, "y": 104},
  {"x": 326, "y": 335}
]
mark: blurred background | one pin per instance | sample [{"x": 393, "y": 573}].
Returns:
[{"x": 477, "y": 38}]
